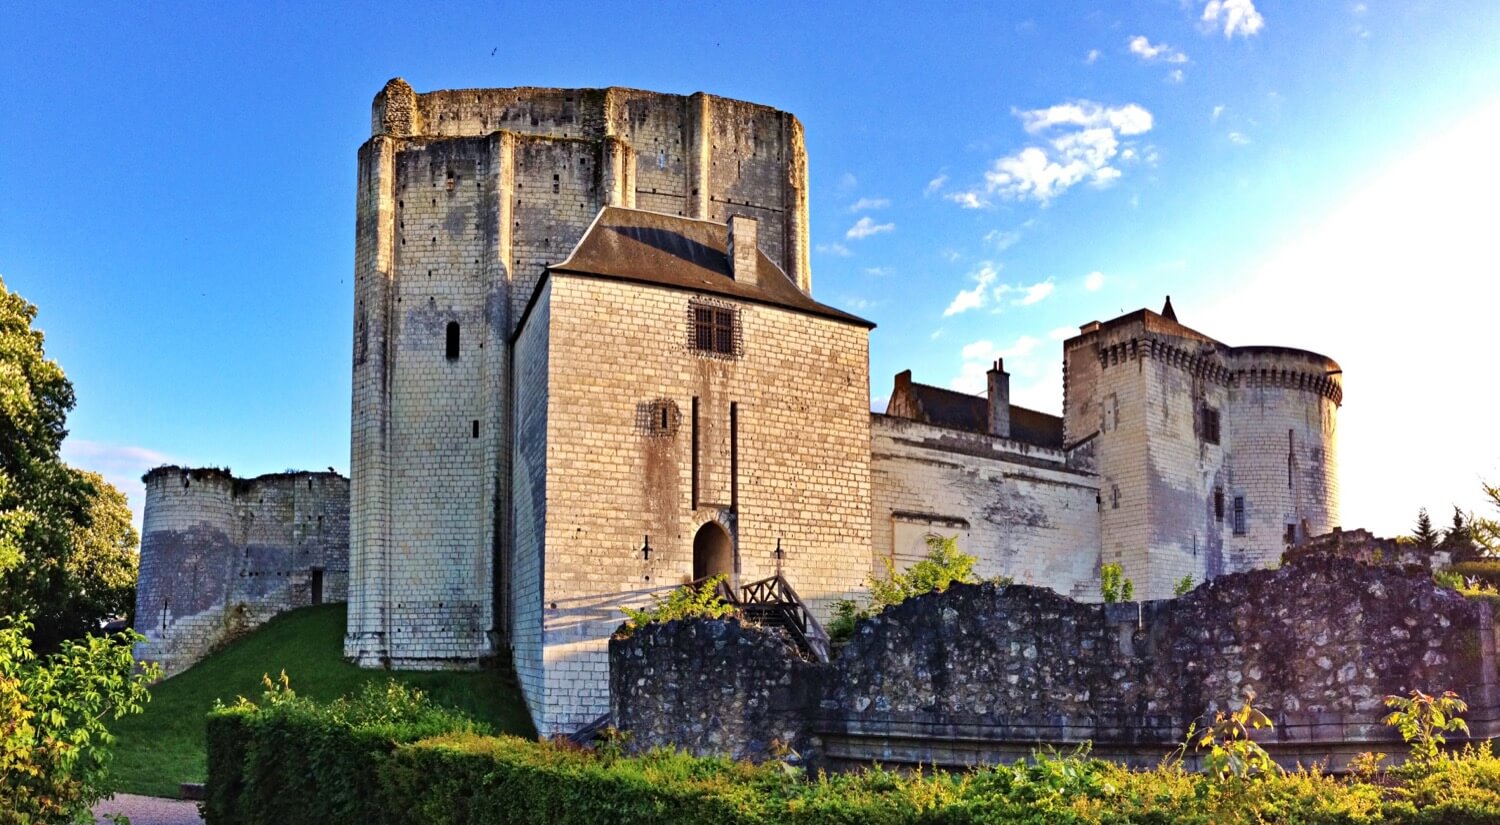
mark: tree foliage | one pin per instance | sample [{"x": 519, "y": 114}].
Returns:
[
  {"x": 686, "y": 602},
  {"x": 67, "y": 547},
  {"x": 1113, "y": 585},
  {"x": 944, "y": 565},
  {"x": 54, "y": 740},
  {"x": 1426, "y": 536}
]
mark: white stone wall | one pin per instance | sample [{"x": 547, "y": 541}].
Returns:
[
  {"x": 529, "y": 503},
  {"x": 1016, "y": 507},
  {"x": 800, "y": 393}
]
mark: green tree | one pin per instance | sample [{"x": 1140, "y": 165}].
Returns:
[
  {"x": 67, "y": 549},
  {"x": 1426, "y": 536},
  {"x": 1458, "y": 540},
  {"x": 55, "y": 744},
  {"x": 1113, "y": 585},
  {"x": 944, "y": 565}
]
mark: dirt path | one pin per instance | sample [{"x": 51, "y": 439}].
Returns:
[{"x": 149, "y": 810}]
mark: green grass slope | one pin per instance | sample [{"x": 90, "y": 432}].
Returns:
[{"x": 163, "y": 747}]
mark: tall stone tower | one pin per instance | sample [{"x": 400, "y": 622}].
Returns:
[{"x": 464, "y": 197}]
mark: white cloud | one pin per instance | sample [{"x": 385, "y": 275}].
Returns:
[
  {"x": 835, "y": 249},
  {"x": 1176, "y": 76},
  {"x": 1094, "y": 281},
  {"x": 1238, "y": 138},
  {"x": 859, "y": 304},
  {"x": 1034, "y": 294},
  {"x": 1155, "y": 52},
  {"x": 935, "y": 184},
  {"x": 864, "y": 228},
  {"x": 968, "y": 299},
  {"x": 1062, "y": 333},
  {"x": 1237, "y": 16},
  {"x": 1214, "y": 117},
  {"x": 952, "y": 256},
  {"x": 1093, "y": 57},
  {"x": 847, "y": 181},
  {"x": 936, "y": 334},
  {"x": 121, "y": 465},
  {"x": 878, "y": 271},
  {"x": 869, "y": 203},
  {"x": 1081, "y": 140},
  {"x": 978, "y": 356},
  {"x": 1002, "y": 240}
]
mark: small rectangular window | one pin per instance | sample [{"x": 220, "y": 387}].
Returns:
[
  {"x": 1218, "y": 504},
  {"x": 475, "y": 428},
  {"x": 1239, "y": 516},
  {"x": 452, "y": 348},
  {"x": 1208, "y": 425},
  {"x": 1290, "y": 536}
]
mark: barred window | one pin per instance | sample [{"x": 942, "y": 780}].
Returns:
[
  {"x": 714, "y": 329},
  {"x": 1239, "y": 516}
]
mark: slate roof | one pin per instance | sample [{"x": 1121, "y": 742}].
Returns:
[
  {"x": 960, "y": 411},
  {"x": 683, "y": 253}
]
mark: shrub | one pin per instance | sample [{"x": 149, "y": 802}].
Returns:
[
  {"x": 1113, "y": 585},
  {"x": 686, "y": 602},
  {"x": 1423, "y": 719},
  {"x": 944, "y": 565},
  {"x": 1183, "y": 587},
  {"x": 55, "y": 747}
]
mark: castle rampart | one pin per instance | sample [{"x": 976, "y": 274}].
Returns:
[{"x": 220, "y": 555}]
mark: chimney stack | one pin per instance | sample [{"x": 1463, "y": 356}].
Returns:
[
  {"x": 742, "y": 253},
  {"x": 999, "y": 400}
]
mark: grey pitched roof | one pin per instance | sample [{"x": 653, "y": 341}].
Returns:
[{"x": 683, "y": 253}]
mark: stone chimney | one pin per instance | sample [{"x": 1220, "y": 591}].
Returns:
[
  {"x": 742, "y": 254},
  {"x": 999, "y": 400}
]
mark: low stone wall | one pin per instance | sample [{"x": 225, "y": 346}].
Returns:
[
  {"x": 983, "y": 671},
  {"x": 713, "y": 687}
]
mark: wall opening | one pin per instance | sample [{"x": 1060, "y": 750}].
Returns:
[
  {"x": 317, "y": 586},
  {"x": 452, "y": 340},
  {"x": 713, "y": 551}
]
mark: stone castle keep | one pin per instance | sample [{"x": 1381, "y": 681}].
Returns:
[{"x": 588, "y": 367}]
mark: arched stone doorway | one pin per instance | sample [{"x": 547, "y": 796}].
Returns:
[{"x": 713, "y": 551}]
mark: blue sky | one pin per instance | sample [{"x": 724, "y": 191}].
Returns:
[{"x": 177, "y": 193}]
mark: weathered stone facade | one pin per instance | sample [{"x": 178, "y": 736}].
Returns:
[
  {"x": 958, "y": 676},
  {"x": 220, "y": 555}
]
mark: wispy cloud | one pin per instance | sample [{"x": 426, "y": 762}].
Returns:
[
  {"x": 1002, "y": 240},
  {"x": 974, "y": 298},
  {"x": 1238, "y": 17},
  {"x": 858, "y": 303},
  {"x": 1092, "y": 57},
  {"x": 1025, "y": 295},
  {"x": 121, "y": 465},
  {"x": 978, "y": 356},
  {"x": 865, "y": 227},
  {"x": 1155, "y": 52},
  {"x": 935, "y": 184},
  {"x": 1081, "y": 140},
  {"x": 847, "y": 181},
  {"x": 1062, "y": 333},
  {"x": 1238, "y": 138},
  {"x": 1094, "y": 281},
  {"x": 835, "y": 249},
  {"x": 1214, "y": 116},
  {"x": 879, "y": 271},
  {"x": 869, "y": 203},
  {"x": 1176, "y": 77}
]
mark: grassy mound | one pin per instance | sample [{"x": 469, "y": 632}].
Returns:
[{"x": 164, "y": 746}]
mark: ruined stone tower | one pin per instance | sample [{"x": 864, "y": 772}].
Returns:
[{"x": 464, "y": 198}]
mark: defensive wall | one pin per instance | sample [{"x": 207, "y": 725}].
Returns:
[
  {"x": 221, "y": 555},
  {"x": 982, "y": 673}
]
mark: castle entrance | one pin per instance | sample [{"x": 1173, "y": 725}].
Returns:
[{"x": 713, "y": 551}]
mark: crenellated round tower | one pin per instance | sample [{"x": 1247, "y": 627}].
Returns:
[{"x": 1281, "y": 427}]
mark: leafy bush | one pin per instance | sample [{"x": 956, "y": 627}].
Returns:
[
  {"x": 944, "y": 565},
  {"x": 1183, "y": 587},
  {"x": 686, "y": 602},
  {"x": 55, "y": 747},
  {"x": 288, "y": 759},
  {"x": 1232, "y": 754},
  {"x": 1113, "y": 585},
  {"x": 1423, "y": 719}
]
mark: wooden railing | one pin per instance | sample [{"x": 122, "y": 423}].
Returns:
[{"x": 772, "y": 601}]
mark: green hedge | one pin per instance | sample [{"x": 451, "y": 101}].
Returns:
[{"x": 296, "y": 762}]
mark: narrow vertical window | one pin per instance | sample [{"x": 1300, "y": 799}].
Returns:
[
  {"x": 1219, "y": 504},
  {"x": 452, "y": 340},
  {"x": 1239, "y": 516},
  {"x": 475, "y": 428}
]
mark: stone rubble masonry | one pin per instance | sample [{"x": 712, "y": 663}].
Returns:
[
  {"x": 1024, "y": 511},
  {"x": 800, "y": 402},
  {"x": 1142, "y": 382},
  {"x": 220, "y": 555},
  {"x": 1320, "y": 642},
  {"x": 463, "y": 198}
]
